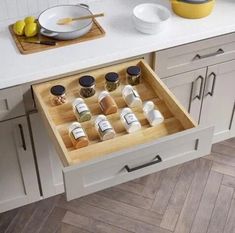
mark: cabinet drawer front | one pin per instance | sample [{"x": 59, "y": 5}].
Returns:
[
  {"x": 195, "y": 55},
  {"x": 97, "y": 175},
  {"x": 11, "y": 103}
]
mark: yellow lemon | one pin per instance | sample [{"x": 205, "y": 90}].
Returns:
[
  {"x": 19, "y": 27},
  {"x": 31, "y": 29},
  {"x": 29, "y": 19}
]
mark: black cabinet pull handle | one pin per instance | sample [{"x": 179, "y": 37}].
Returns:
[
  {"x": 22, "y": 136},
  {"x": 157, "y": 159},
  {"x": 198, "y": 56},
  {"x": 211, "y": 93},
  {"x": 231, "y": 121},
  {"x": 199, "y": 96}
]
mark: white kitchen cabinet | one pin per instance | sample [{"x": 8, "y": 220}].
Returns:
[
  {"x": 201, "y": 75},
  {"x": 196, "y": 55},
  {"x": 11, "y": 103},
  {"x": 208, "y": 94},
  {"x": 188, "y": 88},
  {"x": 219, "y": 100},
  {"x": 18, "y": 179},
  {"x": 49, "y": 165}
]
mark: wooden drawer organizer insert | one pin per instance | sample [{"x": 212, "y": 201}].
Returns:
[{"x": 57, "y": 118}]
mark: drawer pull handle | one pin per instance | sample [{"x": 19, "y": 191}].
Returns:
[
  {"x": 211, "y": 93},
  {"x": 157, "y": 159},
  {"x": 22, "y": 137},
  {"x": 199, "y": 96},
  {"x": 198, "y": 56},
  {"x": 231, "y": 121}
]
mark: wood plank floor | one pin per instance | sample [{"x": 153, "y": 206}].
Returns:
[{"x": 195, "y": 197}]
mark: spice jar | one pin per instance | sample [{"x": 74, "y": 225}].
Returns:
[
  {"x": 81, "y": 110},
  {"x": 153, "y": 116},
  {"x": 107, "y": 103},
  {"x": 87, "y": 86},
  {"x": 104, "y": 128},
  {"x": 131, "y": 96},
  {"x": 77, "y": 135},
  {"x": 58, "y": 96},
  {"x": 111, "y": 81},
  {"x": 130, "y": 121},
  {"x": 133, "y": 74}
]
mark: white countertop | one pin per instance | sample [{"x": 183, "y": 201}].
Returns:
[{"x": 121, "y": 41}]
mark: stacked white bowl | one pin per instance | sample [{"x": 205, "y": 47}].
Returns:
[{"x": 150, "y": 18}]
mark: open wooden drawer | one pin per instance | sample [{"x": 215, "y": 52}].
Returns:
[{"x": 127, "y": 156}]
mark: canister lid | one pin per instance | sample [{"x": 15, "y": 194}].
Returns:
[
  {"x": 133, "y": 70},
  {"x": 100, "y": 118},
  {"x": 127, "y": 90},
  {"x": 125, "y": 111},
  {"x": 111, "y": 77},
  {"x": 73, "y": 126},
  {"x": 102, "y": 95},
  {"x": 148, "y": 106},
  {"x": 77, "y": 101},
  {"x": 87, "y": 81},
  {"x": 57, "y": 90}
]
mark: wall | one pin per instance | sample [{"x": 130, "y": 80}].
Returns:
[{"x": 13, "y": 9}]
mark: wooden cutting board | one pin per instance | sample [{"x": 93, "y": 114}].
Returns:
[{"x": 27, "y": 48}]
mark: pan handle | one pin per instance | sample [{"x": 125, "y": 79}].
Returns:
[
  {"x": 48, "y": 33},
  {"x": 83, "y": 5}
]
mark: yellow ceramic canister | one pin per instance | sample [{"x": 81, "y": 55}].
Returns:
[{"x": 192, "y": 10}]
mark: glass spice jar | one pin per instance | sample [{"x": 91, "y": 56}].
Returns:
[
  {"x": 130, "y": 121},
  {"x": 81, "y": 110},
  {"x": 107, "y": 103},
  {"x": 131, "y": 96},
  {"x": 111, "y": 81},
  {"x": 77, "y": 135},
  {"x": 58, "y": 96},
  {"x": 133, "y": 74},
  {"x": 104, "y": 128},
  {"x": 153, "y": 115},
  {"x": 87, "y": 86}
]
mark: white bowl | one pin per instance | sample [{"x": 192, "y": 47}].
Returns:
[{"x": 150, "y": 18}]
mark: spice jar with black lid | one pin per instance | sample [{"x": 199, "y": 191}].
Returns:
[
  {"x": 87, "y": 86},
  {"x": 133, "y": 75},
  {"x": 58, "y": 96},
  {"x": 111, "y": 81}
]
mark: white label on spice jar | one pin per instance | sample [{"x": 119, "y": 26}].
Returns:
[
  {"x": 78, "y": 133},
  {"x": 135, "y": 93},
  {"x": 130, "y": 118},
  {"x": 81, "y": 108},
  {"x": 104, "y": 125}
]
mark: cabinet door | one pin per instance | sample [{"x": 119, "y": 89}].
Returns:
[
  {"x": 49, "y": 165},
  {"x": 18, "y": 179},
  {"x": 219, "y": 100},
  {"x": 188, "y": 89},
  {"x": 11, "y": 103}
]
